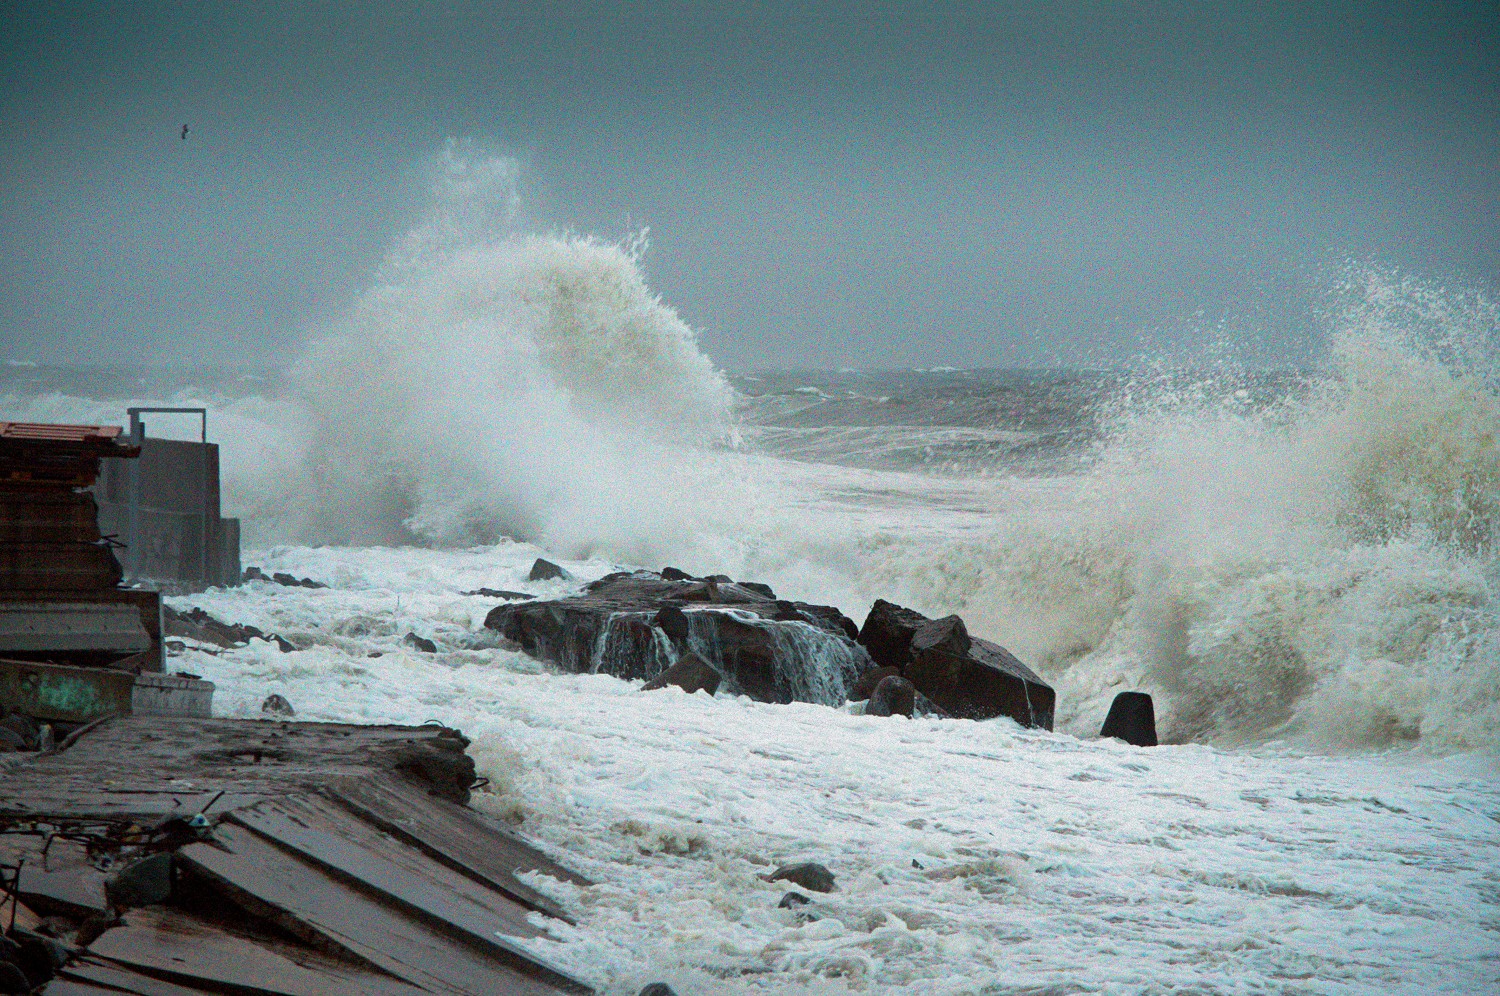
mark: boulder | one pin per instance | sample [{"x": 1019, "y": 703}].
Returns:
[
  {"x": 421, "y": 643},
  {"x": 865, "y": 686},
  {"x": 963, "y": 676},
  {"x": 887, "y": 634},
  {"x": 657, "y": 989},
  {"x": 637, "y": 624},
  {"x": 809, "y": 874},
  {"x": 546, "y": 570},
  {"x": 141, "y": 883},
  {"x": 277, "y": 705},
  {"x": 691, "y": 674},
  {"x": 894, "y": 696},
  {"x": 23, "y": 726},
  {"x": 1132, "y": 718},
  {"x": 500, "y": 593}
]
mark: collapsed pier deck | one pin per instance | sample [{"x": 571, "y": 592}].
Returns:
[{"x": 336, "y": 859}]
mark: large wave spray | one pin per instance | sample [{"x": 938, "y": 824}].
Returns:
[
  {"x": 1321, "y": 571},
  {"x": 499, "y": 383}
]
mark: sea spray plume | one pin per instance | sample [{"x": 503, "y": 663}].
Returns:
[
  {"x": 1319, "y": 570},
  {"x": 502, "y": 383}
]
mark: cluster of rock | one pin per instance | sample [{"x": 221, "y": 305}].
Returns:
[
  {"x": 253, "y": 573},
  {"x": 700, "y": 632}
]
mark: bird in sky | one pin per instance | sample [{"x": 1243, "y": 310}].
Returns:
[{"x": 184, "y": 132}]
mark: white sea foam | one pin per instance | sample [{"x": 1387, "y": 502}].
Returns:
[{"x": 971, "y": 858}]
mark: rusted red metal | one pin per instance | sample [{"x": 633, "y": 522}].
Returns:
[{"x": 58, "y": 433}]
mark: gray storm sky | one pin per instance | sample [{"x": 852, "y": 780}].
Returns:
[{"x": 826, "y": 185}]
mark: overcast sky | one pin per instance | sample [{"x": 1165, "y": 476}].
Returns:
[{"x": 825, "y": 185}]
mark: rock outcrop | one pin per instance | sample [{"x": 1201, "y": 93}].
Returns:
[
  {"x": 638, "y": 624},
  {"x": 964, "y": 676},
  {"x": 1132, "y": 718}
]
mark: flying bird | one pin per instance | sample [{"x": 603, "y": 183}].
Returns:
[{"x": 184, "y": 133}]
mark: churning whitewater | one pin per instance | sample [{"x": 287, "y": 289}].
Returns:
[{"x": 1300, "y": 567}]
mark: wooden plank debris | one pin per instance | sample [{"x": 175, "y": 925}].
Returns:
[{"x": 343, "y": 870}]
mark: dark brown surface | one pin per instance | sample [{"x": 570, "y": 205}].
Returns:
[
  {"x": 188, "y": 952},
  {"x": 324, "y": 909},
  {"x": 375, "y": 884},
  {"x": 461, "y": 838}
]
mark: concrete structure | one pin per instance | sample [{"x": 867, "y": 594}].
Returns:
[{"x": 164, "y": 508}]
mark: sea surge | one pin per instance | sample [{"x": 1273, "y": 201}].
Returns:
[{"x": 1314, "y": 569}]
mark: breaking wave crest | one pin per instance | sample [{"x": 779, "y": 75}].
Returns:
[
  {"x": 1321, "y": 571},
  {"x": 498, "y": 383}
]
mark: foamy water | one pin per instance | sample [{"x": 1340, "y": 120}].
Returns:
[{"x": 1300, "y": 568}]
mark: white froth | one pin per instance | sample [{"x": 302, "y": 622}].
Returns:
[{"x": 1047, "y": 863}]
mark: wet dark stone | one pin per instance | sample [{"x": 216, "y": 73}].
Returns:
[
  {"x": 546, "y": 570},
  {"x": 672, "y": 621},
  {"x": 792, "y": 900},
  {"x": 962, "y": 676},
  {"x": 143, "y": 883},
  {"x": 809, "y": 874},
  {"x": 691, "y": 674},
  {"x": 758, "y": 588},
  {"x": 1132, "y": 718},
  {"x": 10, "y": 740},
  {"x": 615, "y": 625},
  {"x": 420, "y": 643},
  {"x": 868, "y": 680},
  {"x": 887, "y": 634},
  {"x": 514, "y": 596},
  {"x": 894, "y": 696},
  {"x": 657, "y": 989},
  {"x": 13, "y": 981},
  {"x": 673, "y": 574},
  {"x": 22, "y": 725},
  {"x": 277, "y": 705}
]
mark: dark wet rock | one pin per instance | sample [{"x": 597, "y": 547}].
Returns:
[
  {"x": 894, "y": 696},
  {"x": 546, "y": 570},
  {"x": 1132, "y": 718},
  {"x": 142, "y": 883},
  {"x": 23, "y": 726},
  {"x": 963, "y": 676},
  {"x": 419, "y": 643},
  {"x": 13, "y": 981},
  {"x": 253, "y": 573},
  {"x": 809, "y": 874},
  {"x": 196, "y": 624},
  {"x": 691, "y": 674},
  {"x": 513, "y": 596},
  {"x": 867, "y": 682},
  {"x": 793, "y": 900},
  {"x": 673, "y": 574},
  {"x": 11, "y": 741},
  {"x": 277, "y": 705},
  {"x": 282, "y": 644},
  {"x": 657, "y": 989},
  {"x": 672, "y": 621},
  {"x": 289, "y": 581},
  {"x": 636, "y": 624},
  {"x": 887, "y": 634},
  {"x": 758, "y": 588}
]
